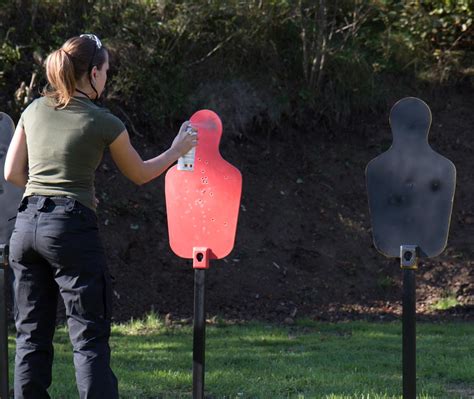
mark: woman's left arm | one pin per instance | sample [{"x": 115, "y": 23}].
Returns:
[{"x": 16, "y": 161}]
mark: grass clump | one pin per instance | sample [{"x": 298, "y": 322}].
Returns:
[
  {"x": 150, "y": 324},
  {"x": 445, "y": 303}
]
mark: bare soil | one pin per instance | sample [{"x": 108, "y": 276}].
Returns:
[{"x": 304, "y": 245}]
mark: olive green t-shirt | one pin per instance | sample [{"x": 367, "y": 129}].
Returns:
[{"x": 65, "y": 147}]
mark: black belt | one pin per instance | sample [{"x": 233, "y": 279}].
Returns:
[{"x": 54, "y": 200}]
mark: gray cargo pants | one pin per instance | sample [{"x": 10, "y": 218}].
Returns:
[{"x": 55, "y": 247}]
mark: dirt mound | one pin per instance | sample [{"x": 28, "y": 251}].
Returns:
[{"x": 304, "y": 245}]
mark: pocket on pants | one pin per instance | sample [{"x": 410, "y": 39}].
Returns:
[
  {"x": 94, "y": 300},
  {"x": 87, "y": 297}
]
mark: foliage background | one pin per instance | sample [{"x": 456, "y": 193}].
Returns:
[{"x": 259, "y": 62}]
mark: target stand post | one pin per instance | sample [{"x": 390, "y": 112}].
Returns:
[
  {"x": 202, "y": 207},
  {"x": 3, "y": 324},
  {"x": 10, "y": 197},
  {"x": 200, "y": 264},
  {"x": 410, "y": 190},
  {"x": 409, "y": 265}
]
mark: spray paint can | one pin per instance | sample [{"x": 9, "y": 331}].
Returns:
[{"x": 186, "y": 162}]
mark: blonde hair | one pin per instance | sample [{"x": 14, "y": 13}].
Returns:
[{"x": 69, "y": 64}]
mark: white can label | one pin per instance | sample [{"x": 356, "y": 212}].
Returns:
[{"x": 186, "y": 162}]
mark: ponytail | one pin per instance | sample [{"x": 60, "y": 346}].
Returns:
[
  {"x": 61, "y": 78},
  {"x": 68, "y": 65}
]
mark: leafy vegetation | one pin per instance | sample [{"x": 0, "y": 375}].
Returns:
[
  {"x": 446, "y": 303},
  {"x": 321, "y": 61}
]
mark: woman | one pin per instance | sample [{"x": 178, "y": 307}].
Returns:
[{"x": 55, "y": 246}]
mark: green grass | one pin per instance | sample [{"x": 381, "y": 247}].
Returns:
[
  {"x": 445, "y": 303},
  {"x": 310, "y": 360}
]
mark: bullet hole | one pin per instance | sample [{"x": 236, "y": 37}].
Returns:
[
  {"x": 435, "y": 185},
  {"x": 396, "y": 199}
]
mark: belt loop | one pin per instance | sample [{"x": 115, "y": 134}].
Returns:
[
  {"x": 41, "y": 204},
  {"x": 22, "y": 204},
  {"x": 70, "y": 204}
]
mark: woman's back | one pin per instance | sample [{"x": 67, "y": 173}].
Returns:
[{"x": 65, "y": 146}]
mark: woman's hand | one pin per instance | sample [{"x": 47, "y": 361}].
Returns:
[
  {"x": 132, "y": 165},
  {"x": 185, "y": 140}
]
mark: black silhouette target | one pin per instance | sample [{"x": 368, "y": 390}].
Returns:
[
  {"x": 10, "y": 195},
  {"x": 410, "y": 186}
]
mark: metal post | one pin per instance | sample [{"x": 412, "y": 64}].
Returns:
[
  {"x": 199, "y": 333},
  {"x": 3, "y": 325},
  {"x": 408, "y": 262},
  {"x": 409, "y": 334}
]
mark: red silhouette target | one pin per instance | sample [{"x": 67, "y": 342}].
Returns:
[{"x": 203, "y": 204}]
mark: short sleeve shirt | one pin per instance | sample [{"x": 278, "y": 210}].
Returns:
[{"x": 65, "y": 147}]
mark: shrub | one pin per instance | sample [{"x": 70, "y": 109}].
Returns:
[{"x": 306, "y": 61}]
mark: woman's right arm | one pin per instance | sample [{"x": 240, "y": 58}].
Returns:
[
  {"x": 139, "y": 171},
  {"x": 16, "y": 162}
]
